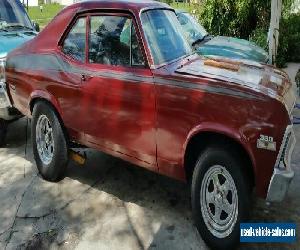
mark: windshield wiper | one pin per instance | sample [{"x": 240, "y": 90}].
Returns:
[
  {"x": 199, "y": 40},
  {"x": 18, "y": 26}
]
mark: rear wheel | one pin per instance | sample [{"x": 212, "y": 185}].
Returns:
[
  {"x": 220, "y": 197},
  {"x": 3, "y": 131},
  {"x": 50, "y": 146}
]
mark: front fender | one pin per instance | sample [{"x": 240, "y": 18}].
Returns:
[{"x": 220, "y": 129}]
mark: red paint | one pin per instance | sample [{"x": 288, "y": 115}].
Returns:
[{"x": 148, "y": 123}]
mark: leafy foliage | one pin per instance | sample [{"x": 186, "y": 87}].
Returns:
[
  {"x": 289, "y": 40},
  {"x": 260, "y": 37},
  {"x": 250, "y": 19},
  {"x": 235, "y": 17}
]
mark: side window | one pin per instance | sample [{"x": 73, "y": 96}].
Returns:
[
  {"x": 111, "y": 43},
  {"x": 75, "y": 42}
]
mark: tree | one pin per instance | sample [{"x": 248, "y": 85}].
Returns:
[
  {"x": 238, "y": 17},
  {"x": 235, "y": 17}
]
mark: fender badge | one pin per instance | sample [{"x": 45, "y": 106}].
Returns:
[{"x": 266, "y": 142}]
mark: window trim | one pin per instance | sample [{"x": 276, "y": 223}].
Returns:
[
  {"x": 132, "y": 25},
  {"x": 112, "y": 11},
  {"x": 130, "y": 44},
  {"x": 133, "y": 22},
  {"x": 67, "y": 32},
  {"x": 152, "y": 65}
]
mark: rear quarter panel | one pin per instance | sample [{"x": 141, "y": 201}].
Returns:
[{"x": 28, "y": 80}]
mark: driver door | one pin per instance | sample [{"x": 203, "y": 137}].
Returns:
[{"x": 119, "y": 91}]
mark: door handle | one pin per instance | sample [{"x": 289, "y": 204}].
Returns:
[{"x": 85, "y": 78}]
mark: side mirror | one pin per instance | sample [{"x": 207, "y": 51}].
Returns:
[{"x": 36, "y": 26}]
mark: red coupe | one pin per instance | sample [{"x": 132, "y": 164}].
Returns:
[{"x": 120, "y": 77}]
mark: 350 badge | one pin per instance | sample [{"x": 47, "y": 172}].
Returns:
[{"x": 266, "y": 142}]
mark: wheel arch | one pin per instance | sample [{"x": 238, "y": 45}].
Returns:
[
  {"x": 202, "y": 138},
  {"x": 46, "y": 97},
  {"x": 53, "y": 104}
]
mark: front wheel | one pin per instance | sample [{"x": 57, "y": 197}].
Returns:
[
  {"x": 220, "y": 197},
  {"x": 49, "y": 142},
  {"x": 3, "y": 131}
]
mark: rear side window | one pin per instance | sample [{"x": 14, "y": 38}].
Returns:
[
  {"x": 75, "y": 42},
  {"x": 113, "y": 41}
]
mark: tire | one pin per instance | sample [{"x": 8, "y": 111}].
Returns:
[
  {"x": 211, "y": 196},
  {"x": 3, "y": 132},
  {"x": 50, "y": 147}
]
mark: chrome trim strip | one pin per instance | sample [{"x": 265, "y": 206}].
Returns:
[{"x": 282, "y": 176}]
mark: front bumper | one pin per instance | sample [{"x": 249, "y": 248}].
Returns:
[{"x": 283, "y": 172}]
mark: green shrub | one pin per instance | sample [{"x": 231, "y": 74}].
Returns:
[
  {"x": 260, "y": 37},
  {"x": 250, "y": 19},
  {"x": 289, "y": 40},
  {"x": 234, "y": 17}
]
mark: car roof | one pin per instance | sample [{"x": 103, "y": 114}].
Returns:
[
  {"x": 57, "y": 27},
  {"x": 134, "y": 5}
]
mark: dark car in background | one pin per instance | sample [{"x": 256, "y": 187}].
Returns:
[
  {"x": 208, "y": 45},
  {"x": 15, "y": 29}
]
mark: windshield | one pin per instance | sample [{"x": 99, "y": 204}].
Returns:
[
  {"x": 164, "y": 36},
  {"x": 193, "y": 30},
  {"x": 12, "y": 14}
]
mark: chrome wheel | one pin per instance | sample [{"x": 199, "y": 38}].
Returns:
[
  {"x": 44, "y": 139},
  {"x": 219, "y": 201}
]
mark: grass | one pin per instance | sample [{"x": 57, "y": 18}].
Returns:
[{"x": 43, "y": 18}]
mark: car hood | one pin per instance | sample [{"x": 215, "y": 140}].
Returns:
[
  {"x": 233, "y": 48},
  {"x": 262, "y": 78},
  {"x": 12, "y": 40}
]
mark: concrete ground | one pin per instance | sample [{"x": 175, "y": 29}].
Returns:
[
  {"x": 292, "y": 69},
  {"x": 108, "y": 204}
]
